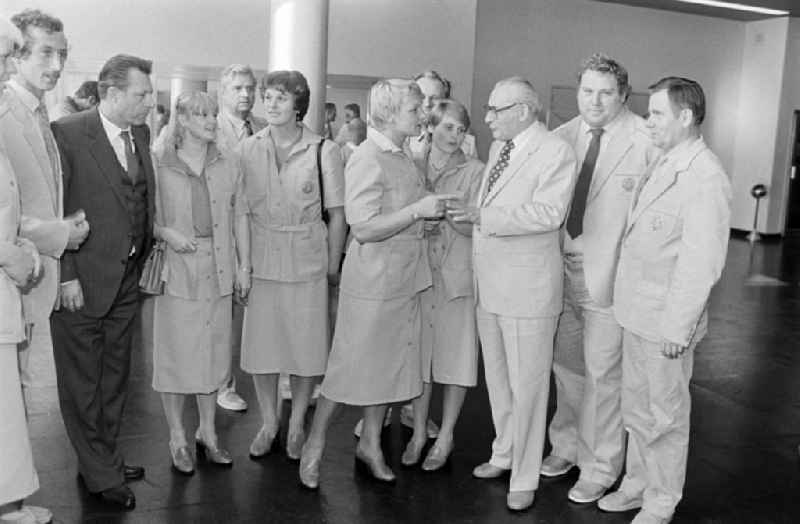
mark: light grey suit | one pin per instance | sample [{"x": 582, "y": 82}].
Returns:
[
  {"x": 518, "y": 289},
  {"x": 587, "y": 426},
  {"x": 41, "y": 194},
  {"x": 673, "y": 251}
]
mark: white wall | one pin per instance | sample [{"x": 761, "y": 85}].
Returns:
[
  {"x": 756, "y": 113},
  {"x": 367, "y": 37},
  {"x": 790, "y": 102},
  {"x": 545, "y": 40}
]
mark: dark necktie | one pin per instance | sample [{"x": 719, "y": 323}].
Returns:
[
  {"x": 500, "y": 166},
  {"x": 575, "y": 219},
  {"x": 248, "y": 128},
  {"x": 130, "y": 156},
  {"x": 47, "y": 136}
]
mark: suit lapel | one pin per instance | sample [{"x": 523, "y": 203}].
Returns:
[
  {"x": 30, "y": 131},
  {"x": 652, "y": 189},
  {"x": 493, "y": 155},
  {"x": 618, "y": 145},
  {"x": 515, "y": 165},
  {"x": 103, "y": 154}
]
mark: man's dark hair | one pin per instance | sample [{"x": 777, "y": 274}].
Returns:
[
  {"x": 603, "y": 63},
  {"x": 87, "y": 89},
  {"x": 684, "y": 93},
  {"x": 115, "y": 72},
  {"x": 355, "y": 109},
  {"x": 34, "y": 18}
]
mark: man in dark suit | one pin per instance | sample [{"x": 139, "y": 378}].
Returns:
[{"x": 108, "y": 175}]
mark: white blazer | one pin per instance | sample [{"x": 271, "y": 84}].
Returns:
[{"x": 516, "y": 253}]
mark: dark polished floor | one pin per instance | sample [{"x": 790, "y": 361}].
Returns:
[{"x": 743, "y": 461}]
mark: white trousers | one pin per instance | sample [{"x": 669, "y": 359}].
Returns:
[
  {"x": 17, "y": 476},
  {"x": 655, "y": 409},
  {"x": 517, "y": 357},
  {"x": 587, "y": 363}
]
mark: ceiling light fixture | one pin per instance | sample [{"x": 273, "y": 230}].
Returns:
[{"x": 737, "y": 7}]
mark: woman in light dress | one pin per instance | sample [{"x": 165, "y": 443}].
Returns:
[
  {"x": 375, "y": 358},
  {"x": 290, "y": 177},
  {"x": 200, "y": 215},
  {"x": 449, "y": 330}
]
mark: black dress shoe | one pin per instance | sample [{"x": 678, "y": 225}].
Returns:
[
  {"x": 120, "y": 496},
  {"x": 133, "y": 472}
]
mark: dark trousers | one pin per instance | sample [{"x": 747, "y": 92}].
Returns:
[{"x": 92, "y": 357}]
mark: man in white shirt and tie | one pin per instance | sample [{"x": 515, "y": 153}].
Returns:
[
  {"x": 614, "y": 149},
  {"x": 518, "y": 272}
]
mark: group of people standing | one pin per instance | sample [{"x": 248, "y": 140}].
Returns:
[{"x": 589, "y": 251}]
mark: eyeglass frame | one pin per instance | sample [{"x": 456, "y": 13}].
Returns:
[{"x": 497, "y": 110}]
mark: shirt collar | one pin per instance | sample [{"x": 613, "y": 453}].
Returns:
[
  {"x": 28, "y": 99},
  {"x": 608, "y": 128},
  {"x": 527, "y": 134},
  {"x": 112, "y": 130},
  {"x": 382, "y": 141},
  {"x": 683, "y": 152}
]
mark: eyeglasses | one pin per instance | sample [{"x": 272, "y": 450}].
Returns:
[{"x": 496, "y": 110}]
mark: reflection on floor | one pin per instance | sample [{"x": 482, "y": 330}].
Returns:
[{"x": 743, "y": 462}]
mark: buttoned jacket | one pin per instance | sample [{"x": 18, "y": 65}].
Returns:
[
  {"x": 619, "y": 168},
  {"x": 516, "y": 253},
  {"x": 41, "y": 193},
  {"x": 174, "y": 210},
  {"x": 674, "y": 246}
]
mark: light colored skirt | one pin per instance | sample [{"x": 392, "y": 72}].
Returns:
[
  {"x": 192, "y": 338},
  {"x": 286, "y": 328},
  {"x": 375, "y": 358},
  {"x": 17, "y": 476},
  {"x": 449, "y": 338}
]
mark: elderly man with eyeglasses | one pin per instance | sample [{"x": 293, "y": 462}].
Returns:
[{"x": 518, "y": 270}]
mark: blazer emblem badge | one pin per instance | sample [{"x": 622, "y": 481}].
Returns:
[{"x": 628, "y": 184}]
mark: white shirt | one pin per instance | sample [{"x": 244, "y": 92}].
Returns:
[{"x": 113, "y": 133}]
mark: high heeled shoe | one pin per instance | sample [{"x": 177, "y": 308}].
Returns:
[
  {"x": 437, "y": 457},
  {"x": 412, "y": 453},
  {"x": 262, "y": 443},
  {"x": 309, "y": 466},
  {"x": 181, "y": 459},
  {"x": 294, "y": 445},
  {"x": 212, "y": 454},
  {"x": 374, "y": 467}
]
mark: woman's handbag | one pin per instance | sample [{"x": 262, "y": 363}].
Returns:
[{"x": 151, "y": 283}]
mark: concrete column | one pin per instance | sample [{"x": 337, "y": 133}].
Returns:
[
  {"x": 298, "y": 39},
  {"x": 186, "y": 78}
]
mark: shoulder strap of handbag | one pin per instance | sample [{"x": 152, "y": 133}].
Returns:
[{"x": 319, "y": 176}]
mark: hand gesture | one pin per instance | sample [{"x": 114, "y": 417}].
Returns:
[
  {"x": 672, "y": 350},
  {"x": 30, "y": 248},
  {"x": 241, "y": 286},
  {"x": 177, "y": 242},
  {"x": 72, "y": 295},
  {"x": 78, "y": 229},
  {"x": 18, "y": 264},
  {"x": 461, "y": 213},
  {"x": 433, "y": 205}
]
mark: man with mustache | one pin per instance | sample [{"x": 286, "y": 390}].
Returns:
[{"x": 33, "y": 155}]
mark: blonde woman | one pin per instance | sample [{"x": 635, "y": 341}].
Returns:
[
  {"x": 375, "y": 358},
  {"x": 199, "y": 214}
]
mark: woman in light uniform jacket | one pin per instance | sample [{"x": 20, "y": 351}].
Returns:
[
  {"x": 200, "y": 215},
  {"x": 449, "y": 329},
  {"x": 294, "y": 255},
  {"x": 375, "y": 359}
]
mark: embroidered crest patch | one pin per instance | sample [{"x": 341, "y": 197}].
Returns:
[{"x": 628, "y": 184}]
